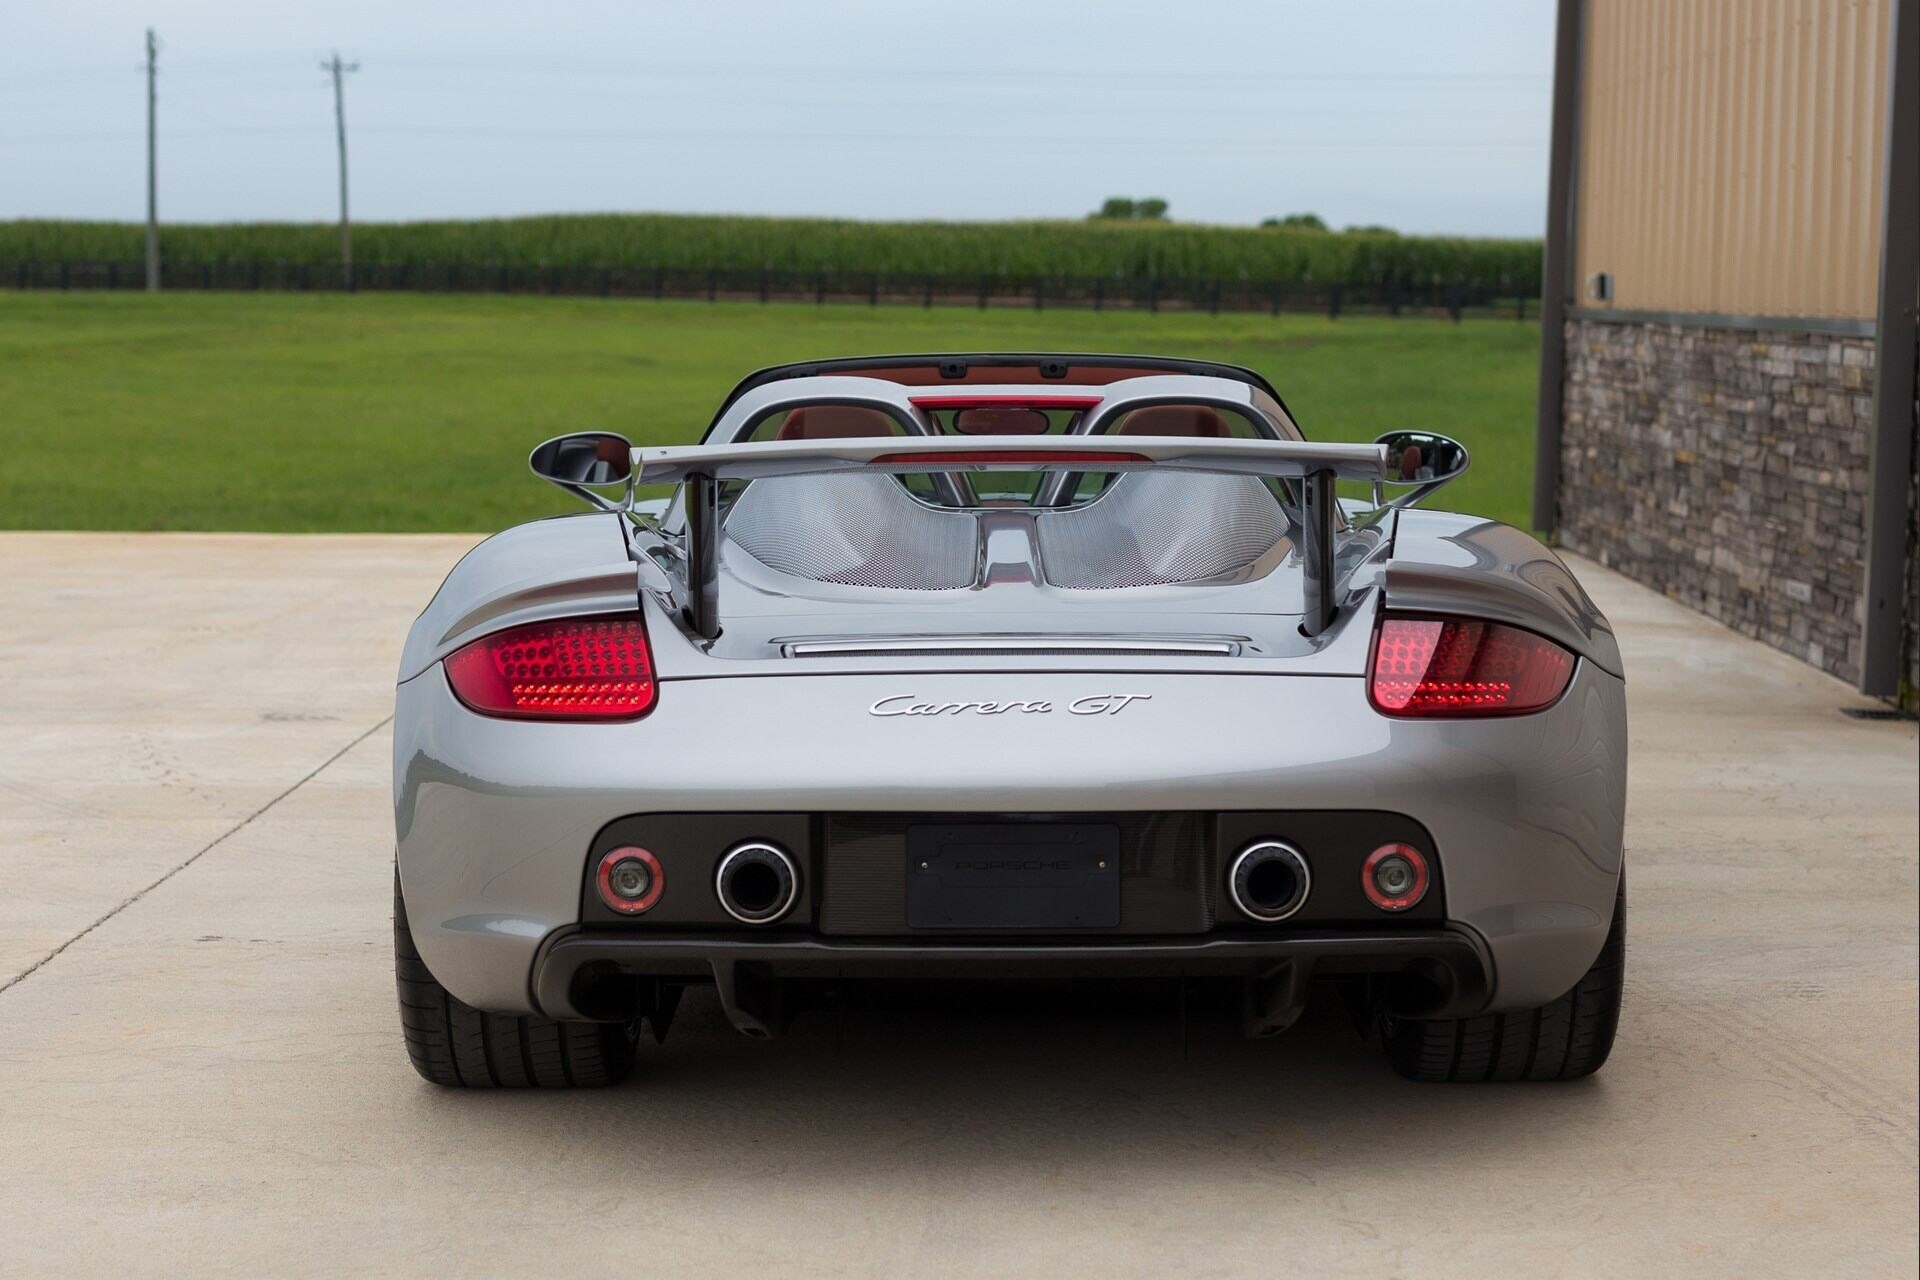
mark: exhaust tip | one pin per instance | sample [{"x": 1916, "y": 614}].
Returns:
[
  {"x": 1269, "y": 880},
  {"x": 757, "y": 882}
]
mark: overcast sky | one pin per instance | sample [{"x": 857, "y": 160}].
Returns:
[{"x": 1425, "y": 116}]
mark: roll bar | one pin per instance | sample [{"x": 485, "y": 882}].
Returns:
[{"x": 702, "y": 468}]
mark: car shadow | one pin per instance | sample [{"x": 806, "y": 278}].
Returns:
[{"x": 1100, "y": 1079}]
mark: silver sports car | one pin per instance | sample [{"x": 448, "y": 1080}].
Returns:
[{"x": 1008, "y": 667}]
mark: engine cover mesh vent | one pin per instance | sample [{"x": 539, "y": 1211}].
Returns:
[
  {"x": 1153, "y": 527},
  {"x": 856, "y": 530}
]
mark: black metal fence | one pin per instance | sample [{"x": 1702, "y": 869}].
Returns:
[{"x": 1449, "y": 299}]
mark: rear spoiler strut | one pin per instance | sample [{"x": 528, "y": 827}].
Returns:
[{"x": 703, "y": 467}]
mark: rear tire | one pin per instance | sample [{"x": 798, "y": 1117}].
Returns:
[
  {"x": 456, "y": 1045},
  {"x": 1563, "y": 1040}
]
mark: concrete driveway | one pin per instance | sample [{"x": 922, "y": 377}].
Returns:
[{"x": 201, "y": 1069}]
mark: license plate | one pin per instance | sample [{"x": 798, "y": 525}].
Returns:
[{"x": 1013, "y": 875}]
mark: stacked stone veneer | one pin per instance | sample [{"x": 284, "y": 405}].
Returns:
[
  {"x": 1910, "y": 635},
  {"x": 1728, "y": 468}
]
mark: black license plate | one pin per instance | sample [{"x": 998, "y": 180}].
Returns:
[{"x": 1013, "y": 875}]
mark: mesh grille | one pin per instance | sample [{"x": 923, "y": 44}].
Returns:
[
  {"x": 1152, "y": 528},
  {"x": 857, "y": 530}
]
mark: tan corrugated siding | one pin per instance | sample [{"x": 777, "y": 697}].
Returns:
[{"x": 1730, "y": 154}]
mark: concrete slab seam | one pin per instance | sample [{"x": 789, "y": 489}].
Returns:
[{"x": 237, "y": 827}]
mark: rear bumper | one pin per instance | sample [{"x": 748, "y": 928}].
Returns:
[
  {"x": 1442, "y": 972},
  {"x": 495, "y": 818}
]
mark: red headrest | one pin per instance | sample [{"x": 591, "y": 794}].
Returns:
[
  {"x": 1172, "y": 420},
  {"x": 835, "y": 422}
]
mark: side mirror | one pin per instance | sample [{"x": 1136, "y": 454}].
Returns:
[
  {"x": 1422, "y": 460},
  {"x": 597, "y": 457}
]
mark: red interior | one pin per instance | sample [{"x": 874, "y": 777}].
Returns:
[
  {"x": 836, "y": 422},
  {"x": 1172, "y": 420}
]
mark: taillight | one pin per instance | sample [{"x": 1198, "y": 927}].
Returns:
[
  {"x": 1463, "y": 667},
  {"x": 568, "y": 669},
  {"x": 950, "y": 401}
]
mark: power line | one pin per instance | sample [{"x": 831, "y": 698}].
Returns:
[
  {"x": 969, "y": 73},
  {"x": 974, "y": 80},
  {"x": 1183, "y": 142},
  {"x": 481, "y": 132},
  {"x": 223, "y": 131},
  {"x": 262, "y": 67}
]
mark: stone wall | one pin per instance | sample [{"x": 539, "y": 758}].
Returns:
[
  {"x": 1910, "y": 636},
  {"x": 1727, "y": 468}
]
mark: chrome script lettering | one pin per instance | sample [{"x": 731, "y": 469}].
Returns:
[{"x": 1102, "y": 704}]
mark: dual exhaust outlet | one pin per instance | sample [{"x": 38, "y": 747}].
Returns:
[
  {"x": 1269, "y": 880},
  {"x": 757, "y": 882}
]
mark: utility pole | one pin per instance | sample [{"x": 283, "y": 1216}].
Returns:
[
  {"x": 153, "y": 189},
  {"x": 339, "y": 68}
]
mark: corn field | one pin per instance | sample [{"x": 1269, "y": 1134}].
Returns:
[{"x": 1116, "y": 251}]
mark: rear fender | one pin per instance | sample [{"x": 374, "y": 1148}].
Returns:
[
  {"x": 564, "y": 567},
  {"x": 1447, "y": 563}
]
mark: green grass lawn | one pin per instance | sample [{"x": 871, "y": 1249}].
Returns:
[{"x": 404, "y": 412}]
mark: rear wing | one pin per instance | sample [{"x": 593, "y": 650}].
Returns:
[
  {"x": 1289, "y": 459},
  {"x": 702, "y": 468}
]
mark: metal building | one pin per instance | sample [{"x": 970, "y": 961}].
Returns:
[{"x": 1727, "y": 406}]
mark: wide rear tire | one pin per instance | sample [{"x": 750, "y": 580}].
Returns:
[
  {"x": 456, "y": 1045},
  {"x": 1563, "y": 1040}
]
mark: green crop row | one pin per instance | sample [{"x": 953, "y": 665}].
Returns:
[{"x": 1115, "y": 250}]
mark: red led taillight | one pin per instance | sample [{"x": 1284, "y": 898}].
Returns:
[
  {"x": 1463, "y": 667},
  {"x": 1037, "y": 401},
  {"x": 568, "y": 669}
]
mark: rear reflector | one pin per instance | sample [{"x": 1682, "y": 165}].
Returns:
[
  {"x": 630, "y": 880},
  {"x": 1006, "y": 457},
  {"x": 1463, "y": 667},
  {"x": 569, "y": 669},
  {"x": 1395, "y": 877}
]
